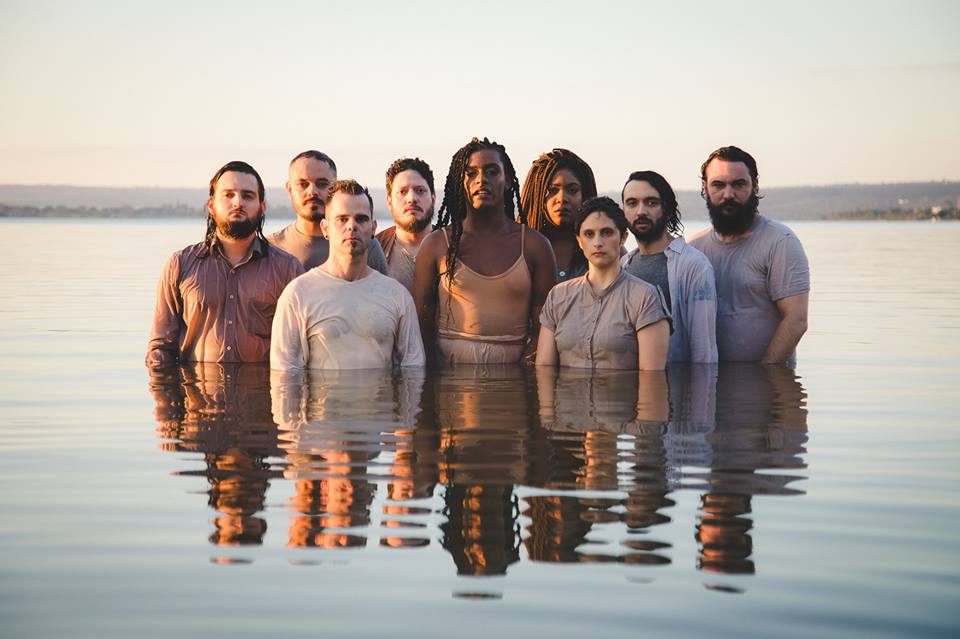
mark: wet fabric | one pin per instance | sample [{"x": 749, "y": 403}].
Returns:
[
  {"x": 324, "y": 322},
  {"x": 484, "y": 318},
  {"x": 693, "y": 302},
  {"x": 208, "y": 310},
  {"x": 314, "y": 250},
  {"x": 600, "y": 331},
  {"x": 752, "y": 274}
]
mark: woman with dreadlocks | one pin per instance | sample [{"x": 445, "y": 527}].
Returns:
[
  {"x": 481, "y": 277},
  {"x": 557, "y": 184}
]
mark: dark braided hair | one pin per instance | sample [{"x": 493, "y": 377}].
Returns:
[
  {"x": 536, "y": 186},
  {"x": 453, "y": 209},
  {"x": 238, "y": 167},
  {"x": 536, "y": 189}
]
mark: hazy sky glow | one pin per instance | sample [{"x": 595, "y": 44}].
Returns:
[{"x": 138, "y": 93}]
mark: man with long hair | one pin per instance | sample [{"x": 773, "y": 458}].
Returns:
[
  {"x": 557, "y": 184},
  {"x": 763, "y": 278},
  {"x": 481, "y": 277},
  {"x": 216, "y": 299},
  {"x": 682, "y": 273}
]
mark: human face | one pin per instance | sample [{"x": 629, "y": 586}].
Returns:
[
  {"x": 731, "y": 194},
  {"x": 308, "y": 185},
  {"x": 564, "y": 198},
  {"x": 643, "y": 209},
  {"x": 485, "y": 180},
  {"x": 410, "y": 201},
  {"x": 235, "y": 205},
  {"x": 600, "y": 240},
  {"x": 349, "y": 224}
]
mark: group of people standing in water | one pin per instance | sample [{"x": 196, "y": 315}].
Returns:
[{"x": 503, "y": 276}]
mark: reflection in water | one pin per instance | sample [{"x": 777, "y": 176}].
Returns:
[
  {"x": 597, "y": 457},
  {"x": 223, "y": 412},
  {"x": 335, "y": 429}
]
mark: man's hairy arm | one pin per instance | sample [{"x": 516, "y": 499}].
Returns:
[{"x": 792, "y": 326}]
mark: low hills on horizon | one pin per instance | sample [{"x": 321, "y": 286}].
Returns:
[{"x": 907, "y": 200}]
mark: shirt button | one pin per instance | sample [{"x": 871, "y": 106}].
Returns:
[
  {"x": 229, "y": 321},
  {"x": 229, "y": 347},
  {"x": 231, "y": 295}
]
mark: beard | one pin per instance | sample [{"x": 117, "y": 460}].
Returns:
[
  {"x": 652, "y": 233},
  {"x": 239, "y": 229},
  {"x": 732, "y": 218},
  {"x": 418, "y": 224},
  {"x": 312, "y": 210}
]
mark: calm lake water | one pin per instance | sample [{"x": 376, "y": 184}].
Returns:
[{"x": 743, "y": 501}]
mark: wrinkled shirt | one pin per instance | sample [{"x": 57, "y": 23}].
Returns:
[
  {"x": 752, "y": 274},
  {"x": 211, "y": 311},
  {"x": 693, "y": 302},
  {"x": 600, "y": 331}
]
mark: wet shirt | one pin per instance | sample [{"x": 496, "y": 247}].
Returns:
[
  {"x": 752, "y": 274},
  {"x": 313, "y": 250},
  {"x": 211, "y": 311},
  {"x": 401, "y": 266},
  {"x": 651, "y": 269},
  {"x": 600, "y": 331},
  {"x": 324, "y": 322}
]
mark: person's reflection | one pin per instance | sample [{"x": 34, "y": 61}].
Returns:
[
  {"x": 603, "y": 432},
  {"x": 334, "y": 428},
  {"x": 223, "y": 412},
  {"x": 761, "y": 425},
  {"x": 484, "y": 416}
]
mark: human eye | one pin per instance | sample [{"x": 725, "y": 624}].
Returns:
[
  {"x": 740, "y": 184},
  {"x": 631, "y": 203},
  {"x": 651, "y": 202}
]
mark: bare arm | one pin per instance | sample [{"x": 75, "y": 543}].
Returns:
[
  {"x": 653, "y": 341},
  {"x": 792, "y": 326},
  {"x": 164, "y": 348},
  {"x": 426, "y": 279},
  {"x": 547, "y": 354},
  {"x": 543, "y": 270}
]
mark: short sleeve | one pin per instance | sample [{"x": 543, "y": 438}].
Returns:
[
  {"x": 548, "y": 312},
  {"x": 789, "y": 272}
]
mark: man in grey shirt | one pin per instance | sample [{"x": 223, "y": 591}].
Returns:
[
  {"x": 763, "y": 278},
  {"x": 682, "y": 273},
  {"x": 309, "y": 178}
]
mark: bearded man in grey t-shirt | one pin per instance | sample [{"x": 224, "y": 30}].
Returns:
[{"x": 762, "y": 274}]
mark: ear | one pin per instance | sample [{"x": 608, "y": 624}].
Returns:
[
  {"x": 324, "y": 228},
  {"x": 374, "y": 231},
  {"x": 286, "y": 187},
  {"x": 580, "y": 242},
  {"x": 623, "y": 238},
  {"x": 210, "y": 206},
  {"x": 756, "y": 186}
]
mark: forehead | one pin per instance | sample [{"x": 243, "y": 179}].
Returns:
[
  {"x": 311, "y": 169},
  {"x": 597, "y": 220},
  {"x": 347, "y": 203},
  {"x": 485, "y": 157},
  {"x": 640, "y": 189},
  {"x": 727, "y": 171},
  {"x": 410, "y": 177},
  {"x": 236, "y": 181},
  {"x": 564, "y": 176}
]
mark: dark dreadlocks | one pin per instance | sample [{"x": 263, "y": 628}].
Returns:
[
  {"x": 536, "y": 189},
  {"x": 238, "y": 167},
  {"x": 453, "y": 209}
]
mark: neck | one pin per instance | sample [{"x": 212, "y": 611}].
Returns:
[
  {"x": 558, "y": 233},
  {"x": 485, "y": 220},
  {"x": 602, "y": 277},
  {"x": 658, "y": 245},
  {"x": 347, "y": 267},
  {"x": 308, "y": 227},
  {"x": 236, "y": 250},
  {"x": 409, "y": 240}
]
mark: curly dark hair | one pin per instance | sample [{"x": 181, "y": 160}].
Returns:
[
  {"x": 409, "y": 164},
  {"x": 605, "y": 205},
  {"x": 453, "y": 209}
]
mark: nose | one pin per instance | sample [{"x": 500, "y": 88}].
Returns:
[{"x": 728, "y": 192}]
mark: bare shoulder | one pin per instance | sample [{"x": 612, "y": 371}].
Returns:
[
  {"x": 538, "y": 245},
  {"x": 434, "y": 245}
]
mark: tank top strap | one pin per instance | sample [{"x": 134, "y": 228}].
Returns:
[
  {"x": 446, "y": 239},
  {"x": 523, "y": 228}
]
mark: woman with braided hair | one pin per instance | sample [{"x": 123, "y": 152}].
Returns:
[
  {"x": 481, "y": 277},
  {"x": 557, "y": 184}
]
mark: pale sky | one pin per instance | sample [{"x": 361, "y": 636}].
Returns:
[{"x": 163, "y": 93}]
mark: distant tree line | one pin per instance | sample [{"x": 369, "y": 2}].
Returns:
[{"x": 946, "y": 212}]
